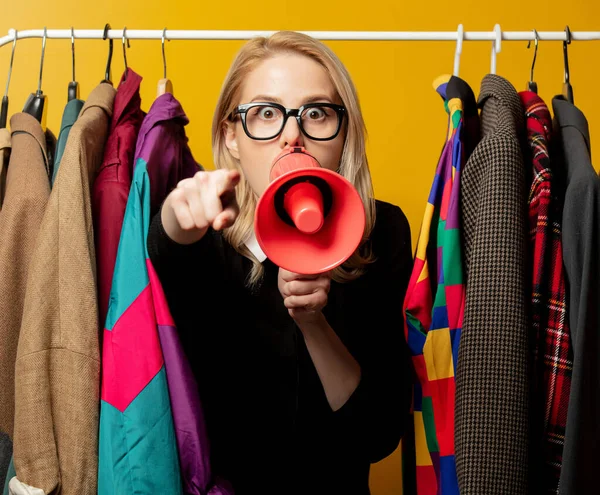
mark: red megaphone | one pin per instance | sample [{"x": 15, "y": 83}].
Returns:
[{"x": 309, "y": 219}]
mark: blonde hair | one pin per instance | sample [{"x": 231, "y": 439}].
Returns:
[{"x": 353, "y": 163}]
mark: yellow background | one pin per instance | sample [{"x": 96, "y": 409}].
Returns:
[{"x": 405, "y": 117}]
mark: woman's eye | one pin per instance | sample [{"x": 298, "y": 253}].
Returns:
[
  {"x": 267, "y": 113},
  {"x": 316, "y": 113}
]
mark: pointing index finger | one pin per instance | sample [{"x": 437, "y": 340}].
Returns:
[{"x": 227, "y": 182}]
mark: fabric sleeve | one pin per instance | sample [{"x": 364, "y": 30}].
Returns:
[
  {"x": 375, "y": 416},
  {"x": 189, "y": 274}
]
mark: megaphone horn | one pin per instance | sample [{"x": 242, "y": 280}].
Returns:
[{"x": 309, "y": 219}]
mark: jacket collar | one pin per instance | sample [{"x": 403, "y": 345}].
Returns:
[
  {"x": 254, "y": 247},
  {"x": 538, "y": 118},
  {"x": 452, "y": 88},
  {"x": 128, "y": 93},
  {"x": 71, "y": 113},
  {"x": 24, "y": 123},
  {"x": 102, "y": 96},
  {"x": 494, "y": 86},
  {"x": 568, "y": 115},
  {"x": 165, "y": 107}
]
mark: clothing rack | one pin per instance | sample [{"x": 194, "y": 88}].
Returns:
[
  {"x": 460, "y": 35},
  {"x": 496, "y": 35}
]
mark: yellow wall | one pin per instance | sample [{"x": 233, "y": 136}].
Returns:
[{"x": 405, "y": 117}]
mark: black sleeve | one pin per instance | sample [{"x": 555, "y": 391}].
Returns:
[
  {"x": 190, "y": 274},
  {"x": 375, "y": 417}
]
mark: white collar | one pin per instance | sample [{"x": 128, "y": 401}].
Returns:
[{"x": 254, "y": 247}]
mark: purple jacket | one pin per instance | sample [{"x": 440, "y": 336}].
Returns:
[{"x": 163, "y": 144}]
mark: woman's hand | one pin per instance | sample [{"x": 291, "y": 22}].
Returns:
[
  {"x": 203, "y": 201},
  {"x": 305, "y": 296}
]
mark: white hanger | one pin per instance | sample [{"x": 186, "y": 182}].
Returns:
[
  {"x": 496, "y": 47},
  {"x": 460, "y": 36}
]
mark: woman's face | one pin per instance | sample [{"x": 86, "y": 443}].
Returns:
[{"x": 292, "y": 81}]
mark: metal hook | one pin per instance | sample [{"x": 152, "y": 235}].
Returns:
[
  {"x": 567, "y": 88},
  {"x": 73, "y": 50},
  {"x": 73, "y": 88},
  {"x": 12, "y": 58},
  {"x": 39, "y": 90},
  {"x": 496, "y": 47},
  {"x": 125, "y": 49},
  {"x": 163, "y": 53},
  {"x": 460, "y": 36},
  {"x": 537, "y": 39},
  {"x": 4, "y": 104},
  {"x": 566, "y": 53},
  {"x": 107, "y": 77}
]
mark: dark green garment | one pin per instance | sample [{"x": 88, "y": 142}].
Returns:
[
  {"x": 9, "y": 475},
  {"x": 70, "y": 115},
  {"x": 5, "y": 457}
]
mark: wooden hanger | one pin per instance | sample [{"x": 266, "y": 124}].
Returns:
[{"x": 164, "y": 85}]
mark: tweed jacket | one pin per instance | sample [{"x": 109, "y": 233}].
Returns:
[
  {"x": 27, "y": 192},
  {"x": 58, "y": 360},
  {"x": 492, "y": 387}
]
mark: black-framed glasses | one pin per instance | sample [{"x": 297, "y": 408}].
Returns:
[{"x": 318, "y": 121}]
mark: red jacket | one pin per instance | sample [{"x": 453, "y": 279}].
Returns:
[{"x": 111, "y": 187}]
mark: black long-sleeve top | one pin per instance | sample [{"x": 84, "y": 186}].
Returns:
[{"x": 270, "y": 426}]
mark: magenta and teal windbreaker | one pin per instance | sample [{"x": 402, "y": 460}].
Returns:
[{"x": 152, "y": 434}]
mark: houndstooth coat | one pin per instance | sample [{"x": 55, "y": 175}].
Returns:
[{"x": 492, "y": 410}]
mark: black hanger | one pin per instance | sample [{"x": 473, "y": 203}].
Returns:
[
  {"x": 125, "y": 52},
  {"x": 36, "y": 103},
  {"x": 73, "y": 85},
  {"x": 567, "y": 91},
  {"x": 532, "y": 85},
  {"x": 107, "y": 76},
  {"x": 4, "y": 110}
]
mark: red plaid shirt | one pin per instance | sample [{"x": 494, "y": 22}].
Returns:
[{"x": 553, "y": 353}]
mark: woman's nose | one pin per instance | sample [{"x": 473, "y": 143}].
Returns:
[{"x": 291, "y": 134}]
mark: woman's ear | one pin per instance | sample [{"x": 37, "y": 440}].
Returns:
[{"x": 231, "y": 139}]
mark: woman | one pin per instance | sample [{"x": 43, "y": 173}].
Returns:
[{"x": 305, "y": 380}]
